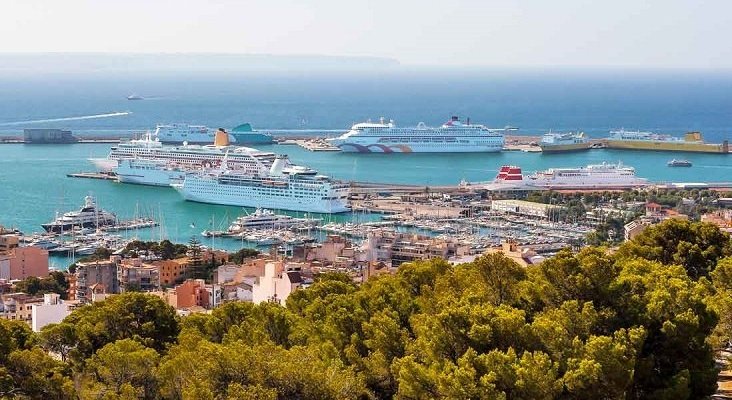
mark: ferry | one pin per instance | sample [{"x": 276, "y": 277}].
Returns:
[
  {"x": 679, "y": 163},
  {"x": 594, "y": 176},
  {"x": 295, "y": 189},
  {"x": 560, "y": 142},
  {"x": 187, "y": 156},
  {"x": 598, "y": 176},
  {"x": 199, "y": 134},
  {"x": 452, "y": 137},
  {"x": 88, "y": 216},
  {"x": 638, "y": 140}
]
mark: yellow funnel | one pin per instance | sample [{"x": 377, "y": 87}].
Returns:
[{"x": 221, "y": 139}]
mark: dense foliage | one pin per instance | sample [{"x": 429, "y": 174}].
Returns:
[
  {"x": 637, "y": 324},
  {"x": 55, "y": 282}
]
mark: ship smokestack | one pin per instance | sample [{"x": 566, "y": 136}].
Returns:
[
  {"x": 222, "y": 138},
  {"x": 278, "y": 165},
  {"x": 455, "y": 118}
]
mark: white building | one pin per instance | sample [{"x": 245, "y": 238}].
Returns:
[
  {"x": 52, "y": 311},
  {"x": 276, "y": 284}
]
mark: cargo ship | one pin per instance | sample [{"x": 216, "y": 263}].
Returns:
[
  {"x": 559, "y": 142},
  {"x": 638, "y": 140}
]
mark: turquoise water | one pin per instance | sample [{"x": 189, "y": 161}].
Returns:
[{"x": 34, "y": 186}]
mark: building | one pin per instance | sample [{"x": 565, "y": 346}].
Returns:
[
  {"x": 635, "y": 228},
  {"x": 396, "y": 248},
  {"x": 172, "y": 271},
  {"x": 23, "y": 262},
  {"x": 46, "y": 136},
  {"x": 276, "y": 284},
  {"x": 132, "y": 275},
  {"x": 99, "y": 275},
  {"x": 525, "y": 208},
  {"x": 721, "y": 218},
  {"x": 18, "y": 306},
  {"x": 52, "y": 311}
]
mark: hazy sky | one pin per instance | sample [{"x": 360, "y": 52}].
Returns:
[{"x": 653, "y": 33}]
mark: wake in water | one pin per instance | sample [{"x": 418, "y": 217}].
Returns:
[{"x": 79, "y": 118}]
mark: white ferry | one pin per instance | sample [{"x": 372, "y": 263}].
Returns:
[
  {"x": 88, "y": 216},
  {"x": 295, "y": 189},
  {"x": 451, "y": 137},
  {"x": 187, "y": 156},
  {"x": 597, "y": 176},
  {"x": 200, "y": 134},
  {"x": 567, "y": 141}
]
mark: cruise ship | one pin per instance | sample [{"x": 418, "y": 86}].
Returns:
[
  {"x": 89, "y": 216},
  {"x": 638, "y": 140},
  {"x": 148, "y": 172},
  {"x": 295, "y": 189},
  {"x": 560, "y": 142},
  {"x": 187, "y": 156},
  {"x": 451, "y": 137},
  {"x": 597, "y": 176}
]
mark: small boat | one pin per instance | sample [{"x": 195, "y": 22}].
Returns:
[
  {"x": 135, "y": 97},
  {"x": 679, "y": 163}
]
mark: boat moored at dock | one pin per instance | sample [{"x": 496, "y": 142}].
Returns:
[
  {"x": 295, "y": 189},
  {"x": 561, "y": 142},
  {"x": 88, "y": 216},
  {"x": 638, "y": 140},
  {"x": 452, "y": 137}
]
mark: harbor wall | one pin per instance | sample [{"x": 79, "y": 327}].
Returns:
[{"x": 691, "y": 147}]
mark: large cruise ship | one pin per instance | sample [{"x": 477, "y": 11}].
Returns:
[
  {"x": 560, "y": 142},
  {"x": 638, "y": 140},
  {"x": 199, "y": 134},
  {"x": 282, "y": 187},
  {"x": 451, "y": 137},
  {"x": 88, "y": 216},
  {"x": 597, "y": 176},
  {"x": 187, "y": 156}
]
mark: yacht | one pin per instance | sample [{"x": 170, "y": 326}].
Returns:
[
  {"x": 87, "y": 216},
  {"x": 267, "y": 219},
  {"x": 452, "y": 137}
]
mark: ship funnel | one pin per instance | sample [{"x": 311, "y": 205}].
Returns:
[
  {"x": 221, "y": 139},
  {"x": 278, "y": 165}
]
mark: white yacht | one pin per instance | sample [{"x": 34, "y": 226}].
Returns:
[
  {"x": 266, "y": 219},
  {"x": 280, "y": 188},
  {"x": 452, "y": 137},
  {"x": 89, "y": 216}
]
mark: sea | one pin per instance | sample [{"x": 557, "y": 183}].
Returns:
[{"x": 34, "y": 186}]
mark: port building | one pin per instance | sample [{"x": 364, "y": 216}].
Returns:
[{"x": 48, "y": 136}]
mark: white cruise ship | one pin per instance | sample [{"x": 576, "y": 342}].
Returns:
[
  {"x": 597, "y": 176},
  {"x": 451, "y": 137},
  {"x": 148, "y": 172},
  {"x": 187, "y": 156},
  {"x": 296, "y": 189},
  {"x": 89, "y": 216}
]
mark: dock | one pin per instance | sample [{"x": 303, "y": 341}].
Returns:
[{"x": 107, "y": 176}]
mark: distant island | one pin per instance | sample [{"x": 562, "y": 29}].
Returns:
[{"x": 183, "y": 62}]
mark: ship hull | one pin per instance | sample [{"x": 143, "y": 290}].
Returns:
[
  {"x": 562, "y": 148},
  {"x": 58, "y": 228},
  {"x": 208, "y": 191},
  {"x": 668, "y": 146},
  {"x": 419, "y": 148},
  {"x": 149, "y": 178}
]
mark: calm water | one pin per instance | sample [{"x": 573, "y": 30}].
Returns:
[{"x": 34, "y": 186}]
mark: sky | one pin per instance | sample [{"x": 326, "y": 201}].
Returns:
[{"x": 533, "y": 33}]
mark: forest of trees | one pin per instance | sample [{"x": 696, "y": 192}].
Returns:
[{"x": 641, "y": 322}]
